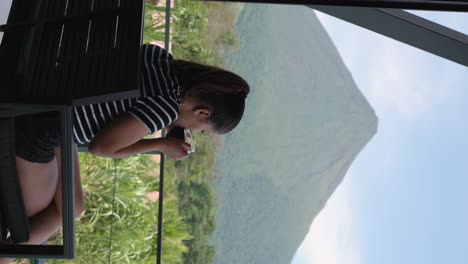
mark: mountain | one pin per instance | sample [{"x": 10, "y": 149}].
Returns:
[{"x": 305, "y": 123}]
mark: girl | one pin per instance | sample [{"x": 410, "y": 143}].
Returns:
[{"x": 173, "y": 93}]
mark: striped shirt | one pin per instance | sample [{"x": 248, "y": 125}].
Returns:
[{"x": 157, "y": 107}]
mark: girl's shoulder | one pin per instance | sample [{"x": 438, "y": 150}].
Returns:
[{"x": 155, "y": 52}]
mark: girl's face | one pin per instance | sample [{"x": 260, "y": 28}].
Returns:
[{"x": 194, "y": 117}]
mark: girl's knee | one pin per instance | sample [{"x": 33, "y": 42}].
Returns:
[
  {"x": 79, "y": 206},
  {"x": 37, "y": 182}
]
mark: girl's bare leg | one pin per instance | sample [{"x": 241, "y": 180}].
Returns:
[
  {"x": 42, "y": 195},
  {"x": 38, "y": 183},
  {"x": 49, "y": 220},
  {"x": 79, "y": 200}
]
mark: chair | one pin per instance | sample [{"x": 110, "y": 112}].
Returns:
[
  {"x": 56, "y": 55},
  {"x": 12, "y": 213}
]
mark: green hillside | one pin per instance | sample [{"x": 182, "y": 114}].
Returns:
[{"x": 305, "y": 123}]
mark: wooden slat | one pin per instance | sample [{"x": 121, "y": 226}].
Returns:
[
  {"x": 75, "y": 73},
  {"x": 56, "y": 69},
  {"x": 94, "y": 62},
  {"x": 105, "y": 4},
  {"x": 9, "y": 59},
  {"x": 55, "y": 8},
  {"x": 114, "y": 55},
  {"x": 104, "y": 43},
  {"x": 48, "y": 69},
  {"x": 60, "y": 81},
  {"x": 131, "y": 42},
  {"x": 22, "y": 10},
  {"x": 44, "y": 71},
  {"x": 89, "y": 61},
  {"x": 130, "y": 4},
  {"x": 83, "y": 61},
  {"x": 64, "y": 68},
  {"x": 80, "y": 46},
  {"x": 37, "y": 76},
  {"x": 31, "y": 47},
  {"x": 125, "y": 45},
  {"x": 80, "y": 7},
  {"x": 107, "y": 77}
]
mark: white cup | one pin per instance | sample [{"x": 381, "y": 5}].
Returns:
[{"x": 189, "y": 140}]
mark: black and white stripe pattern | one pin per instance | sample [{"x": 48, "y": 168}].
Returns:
[{"x": 157, "y": 107}]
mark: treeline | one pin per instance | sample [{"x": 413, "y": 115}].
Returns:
[
  {"x": 203, "y": 32},
  {"x": 202, "y": 35},
  {"x": 197, "y": 204}
]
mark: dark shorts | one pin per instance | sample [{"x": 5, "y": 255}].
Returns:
[{"x": 37, "y": 136}]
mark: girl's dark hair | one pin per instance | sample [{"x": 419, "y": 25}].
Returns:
[{"x": 221, "y": 91}]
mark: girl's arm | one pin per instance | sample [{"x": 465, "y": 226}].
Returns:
[
  {"x": 125, "y": 136},
  {"x": 172, "y": 147}
]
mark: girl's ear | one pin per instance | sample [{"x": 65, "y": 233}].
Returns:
[{"x": 203, "y": 112}]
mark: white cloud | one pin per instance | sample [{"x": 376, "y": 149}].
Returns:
[
  {"x": 333, "y": 236},
  {"x": 394, "y": 82}
]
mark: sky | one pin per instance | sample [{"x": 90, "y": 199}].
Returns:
[{"x": 403, "y": 199}]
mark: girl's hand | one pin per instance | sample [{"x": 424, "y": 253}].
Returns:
[
  {"x": 169, "y": 127},
  {"x": 175, "y": 149}
]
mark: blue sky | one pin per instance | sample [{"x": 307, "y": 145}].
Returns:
[{"x": 404, "y": 199}]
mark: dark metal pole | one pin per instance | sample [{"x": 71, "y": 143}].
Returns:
[
  {"x": 454, "y": 5},
  {"x": 68, "y": 188},
  {"x": 160, "y": 212},
  {"x": 161, "y": 168},
  {"x": 407, "y": 28}
]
